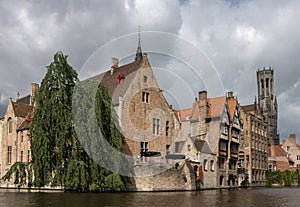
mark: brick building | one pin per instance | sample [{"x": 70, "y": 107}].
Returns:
[
  {"x": 197, "y": 150},
  {"x": 15, "y": 137},
  {"x": 147, "y": 121},
  {"x": 292, "y": 150},
  {"x": 216, "y": 122},
  {"x": 278, "y": 159},
  {"x": 254, "y": 144}
]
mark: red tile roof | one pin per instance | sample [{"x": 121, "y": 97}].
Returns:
[
  {"x": 21, "y": 110},
  {"x": 231, "y": 107},
  {"x": 111, "y": 80},
  {"x": 182, "y": 114},
  {"x": 275, "y": 150},
  {"x": 215, "y": 106}
]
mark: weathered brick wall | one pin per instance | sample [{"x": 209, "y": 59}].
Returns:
[
  {"x": 180, "y": 178},
  {"x": 137, "y": 117},
  {"x": 294, "y": 149}
]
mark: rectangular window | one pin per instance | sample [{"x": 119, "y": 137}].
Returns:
[
  {"x": 221, "y": 163},
  {"x": 224, "y": 129},
  {"x": 298, "y": 157},
  {"x": 205, "y": 165},
  {"x": 28, "y": 156},
  {"x": 212, "y": 165},
  {"x": 223, "y": 146},
  {"x": 167, "y": 128},
  {"x": 288, "y": 148},
  {"x": 22, "y": 137},
  {"x": 145, "y": 79},
  {"x": 155, "y": 126},
  {"x": 144, "y": 148},
  {"x": 235, "y": 133},
  {"x": 9, "y": 153},
  {"x": 21, "y": 156},
  {"x": 145, "y": 97},
  {"x": 9, "y": 125}
]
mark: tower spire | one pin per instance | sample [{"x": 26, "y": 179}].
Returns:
[{"x": 139, "y": 54}]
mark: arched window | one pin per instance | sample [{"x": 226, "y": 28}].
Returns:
[{"x": 9, "y": 125}]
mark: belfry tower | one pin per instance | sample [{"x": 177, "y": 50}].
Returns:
[{"x": 267, "y": 102}]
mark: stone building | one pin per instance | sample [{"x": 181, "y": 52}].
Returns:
[
  {"x": 196, "y": 150},
  {"x": 147, "y": 121},
  {"x": 278, "y": 159},
  {"x": 253, "y": 145},
  {"x": 267, "y": 102},
  {"x": 213, "y": 122},
  {"x": 292, "y": 150},
  {"x": 15, "y": 137}
]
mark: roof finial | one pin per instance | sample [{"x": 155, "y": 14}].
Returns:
[{"x": 139, "y": 54}]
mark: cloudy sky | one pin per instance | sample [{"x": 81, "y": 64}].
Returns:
[{"x": 236, "y": 36}]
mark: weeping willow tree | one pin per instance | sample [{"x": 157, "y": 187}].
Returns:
[
  {"x": 59, "y": 157},
  {"x": 52, "y": 136}
]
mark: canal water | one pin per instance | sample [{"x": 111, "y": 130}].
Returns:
[{"x": 235, "y": 197}]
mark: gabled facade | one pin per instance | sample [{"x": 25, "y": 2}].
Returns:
[
  {"x": 146, "y": 119},
  {"x": 15, "y": 137},
  {"x": 292, "y": 150},
  {"x": 219, "y": 125},
  {"x": 196, "y": 150},
  {"x": 278, "y": 159}
]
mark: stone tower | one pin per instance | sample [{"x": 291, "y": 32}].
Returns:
[{"x": 267, "y": 102}]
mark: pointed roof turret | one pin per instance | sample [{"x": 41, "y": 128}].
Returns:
[{"x": 139, "y": 53}]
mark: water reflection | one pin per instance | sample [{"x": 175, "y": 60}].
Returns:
[{"x": 236, "y": 197}]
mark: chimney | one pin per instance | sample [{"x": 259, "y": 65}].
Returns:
[
  {"x": 114, "y": 64},
  {"x": 203, "y": 110},
  {"x": 34, "y": 87},
  {"x": 230, "y": 95},
  {"x": 203, "y": 103},
  {"x": 293, "y": 137}
]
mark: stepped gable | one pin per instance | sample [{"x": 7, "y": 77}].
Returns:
[{"x": 21, "y": 110}]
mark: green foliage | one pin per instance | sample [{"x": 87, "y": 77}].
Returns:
[
  {"x": 59, "y": 158},
  {"x": 274, "y": 177},
  {"x": 287, "y": 178},
  {"x": 19, "y": 170},
  {"x": 114, "y": 182},
  {"x": 52, "y": 134}
]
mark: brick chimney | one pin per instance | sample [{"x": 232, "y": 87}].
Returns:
[
  {"x": 34, "y": 87},
  {"x": 114, "y": 64},
  {"x": 293, "y": 137},
  {"x": 230, "y": 95},
  {"x": 203, "y": 110}
]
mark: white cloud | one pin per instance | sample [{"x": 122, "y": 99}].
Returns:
[{"x": 238, "y": 36}]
